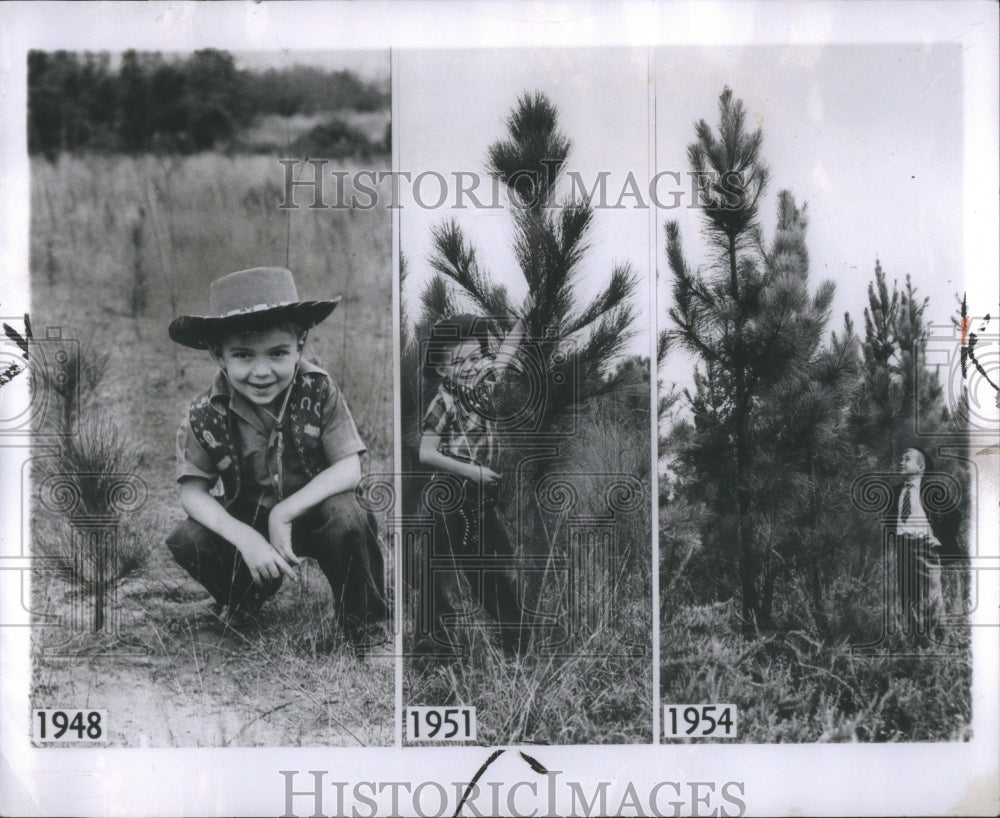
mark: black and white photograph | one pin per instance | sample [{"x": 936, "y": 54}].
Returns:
[
  {"x": 525, "y": 394},
  {"x": 818, "y": 413},
  {"x": 437, "y": 409},
  {"x": 213, "y": 382}
]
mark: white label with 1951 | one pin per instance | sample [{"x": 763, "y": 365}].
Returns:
[
  {"x": 441, "y": 723},
  {"x": 69, "y": 725},
  {"x": 699, "y": 721}
]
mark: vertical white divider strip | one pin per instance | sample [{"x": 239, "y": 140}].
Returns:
[
  {"x": 397, "y": 422},
  {"x": 654, "y": 397}
]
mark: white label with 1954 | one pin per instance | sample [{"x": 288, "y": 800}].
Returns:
[{"x": 699, "y": 721}]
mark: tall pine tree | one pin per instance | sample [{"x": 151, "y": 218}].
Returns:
[{"x": 755, "y": 332}]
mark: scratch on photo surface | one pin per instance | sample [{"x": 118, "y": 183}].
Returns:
[
  {"x": 968, "y": 341},
  {"x": 13, "y": 370},
  {"x": 532, "y": 762}
]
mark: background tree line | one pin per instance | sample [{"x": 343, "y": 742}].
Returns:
[{"x": 150, "y": 103}]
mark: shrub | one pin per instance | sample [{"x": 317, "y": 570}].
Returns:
[
  {"x": 96, "y": 493},
  {"x": 333, "y": 140}
]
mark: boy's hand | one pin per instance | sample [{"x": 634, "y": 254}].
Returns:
[
  {"x": 487, "y": 477},
  {"x": 279, "y": 527},
  {"x": 264, "y": 562}
]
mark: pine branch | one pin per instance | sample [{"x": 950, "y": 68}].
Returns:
[
  {"x": 606, "y": 341},
  {"x": 436, "y": 300},
  {"x": 573, "y": 226},
  {"x": 455, "y": 258},
  {"x": 663, "y": 344},
  {"x": 531, "y": 158},
  {"x": 10, "y": 372},
  {"x": 621, "y": 287},
  {"x": 538, "y": 250}
]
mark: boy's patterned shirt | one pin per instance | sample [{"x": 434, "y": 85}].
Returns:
[
  {"x": 262, "y": 469},
  {"x": 462, "y": 415}
]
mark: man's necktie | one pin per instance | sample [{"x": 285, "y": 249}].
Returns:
[{"x": 907, "y": 507}]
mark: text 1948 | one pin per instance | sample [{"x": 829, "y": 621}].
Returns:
[{"x": 69, "y": 725}]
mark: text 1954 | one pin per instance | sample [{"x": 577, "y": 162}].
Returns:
[
  {"x": 441, "y": 723},
  {"x": 70, "y": 725},
  {"x": 699, "y": 721}
]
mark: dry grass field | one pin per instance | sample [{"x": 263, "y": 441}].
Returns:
[
  {"x": 855, "y": 678},
  {"x": 119, "y": 245}
]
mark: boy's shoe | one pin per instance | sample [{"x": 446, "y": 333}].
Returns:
[
  {"x": 370, "y": 641},
  {"x": 240, "y": 618},
  {"x": 243, "y": 615}
]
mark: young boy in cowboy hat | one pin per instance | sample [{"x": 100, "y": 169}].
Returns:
[{"x": 275, "y": 431}]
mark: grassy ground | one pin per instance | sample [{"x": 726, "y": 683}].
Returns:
[
  {"x": 587, "y": 677},
  {"x": 799, "y": 683},
  {"x": 119, "y": 246}
]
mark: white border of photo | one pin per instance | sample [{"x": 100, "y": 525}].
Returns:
[{"x": 928, "y": 779}]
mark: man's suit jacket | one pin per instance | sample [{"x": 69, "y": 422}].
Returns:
[{"x": 939, "y": 496}]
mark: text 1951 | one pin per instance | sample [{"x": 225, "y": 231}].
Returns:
[
  {"x": 699, "y": 721},
  {"x": 70, "y": 725},
  {"x": 441, "y": 723}
]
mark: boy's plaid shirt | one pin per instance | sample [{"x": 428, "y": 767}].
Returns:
[{"x": 462, "y": 415}]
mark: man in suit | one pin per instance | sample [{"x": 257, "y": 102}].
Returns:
[{"x": 923, "y": 523}]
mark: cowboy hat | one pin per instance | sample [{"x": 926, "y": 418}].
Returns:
[{"x": 249, "y": 297}]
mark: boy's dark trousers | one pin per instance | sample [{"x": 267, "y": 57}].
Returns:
[
  {"x": 918, "y": 577},
  {"x": 472, "y": 541},
  {"x": 337, "y": 533}
]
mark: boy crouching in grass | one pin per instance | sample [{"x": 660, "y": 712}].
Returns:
[
  {"x": 276, "y": 432},
  {"x": 458, "y": 436}
]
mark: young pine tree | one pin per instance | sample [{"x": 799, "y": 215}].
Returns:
[
  {"x": 573, "y": 342},
  {"x": 900, "y": 398}
]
